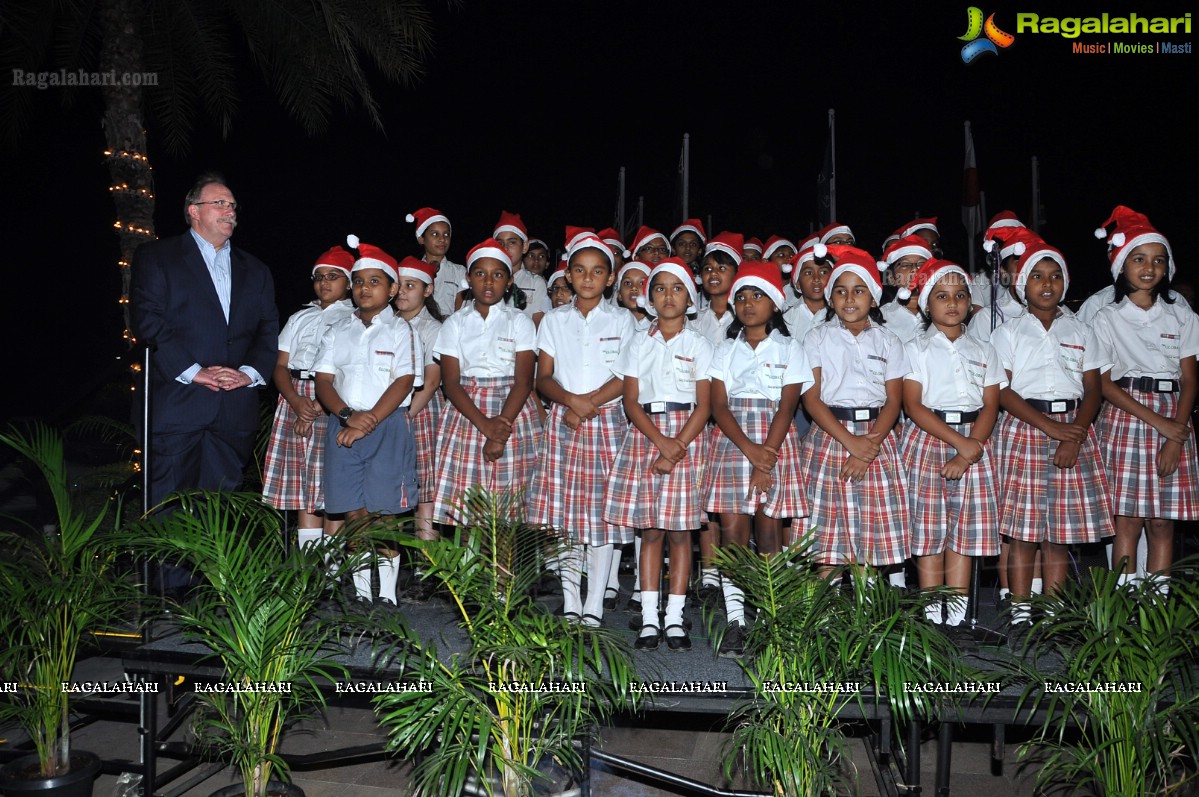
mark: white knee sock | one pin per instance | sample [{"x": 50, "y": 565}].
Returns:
[
  {"x": 389, "y": 572},
  {"x": 362, "y": 582},
  {"x": 955, "y": 610},
  {"x": 734, "y": 603},
  {"x": 1037, "y": 586},
  {"x": 649, "y": 609},
  {"x": 309, "y": 536},
  {"x": 674, "y": 614},
  {"x": 898, "y": 578},
  {"x": 932, "y": 612},
  {"x": 710, "y": 577},
  {"x": 570, "y": 571},
  {"x": 599, "y": 560},
  {"x": 614, "y": 569}
]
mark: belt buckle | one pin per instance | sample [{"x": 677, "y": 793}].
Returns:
[
  {"x": 861, "y": 415},
  {"x": 656, "y": 407},
  {"x": 953, "y": 417},
  {"x": 1165, "y": 386},
  {"x": 1057, "y": 406}
]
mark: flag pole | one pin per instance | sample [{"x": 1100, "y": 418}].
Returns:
[
  {"x": 686, "y": 172},
  {"x": 832, "y": 183},
  {"x": 620, "y": 209}
]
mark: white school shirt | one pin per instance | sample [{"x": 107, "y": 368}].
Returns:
[
  {"x": 980, "y": 289},
  {"x": 486, "y": 347},
  {"x": 365, "y": 360},
  {"x": 537, "y": 295},
  {"x": 707, "y": 324},
  {"x": 427, "y": 328},
  {"x": 447, "y": 284},
  {"x": 902, "y": 321},
  {"x": 791, "y": 296},
  {"x": 1102, "y": 297},
  {"x": 1132, "y": 341},
  {"x": 952, "y": 373},
  {"x": 584, "y": 347},
  {"x": 301, "y": 336},
  {"x": 666, "y": 370},
  {"x": 800, "y": 320},
  {"x": 1005, "y": 309},
  {"x": 855, "y": 369},
  {"x": 762, "y": 372},
  {"x": 1049, "y": 363}
]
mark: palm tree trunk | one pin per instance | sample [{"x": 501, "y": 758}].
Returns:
[{"x": 132, "y": 185}]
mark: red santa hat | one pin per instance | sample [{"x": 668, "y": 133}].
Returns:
[
  {"x": 915, "y": 225},
  {"x": 1129, "y": 230},
  {"x": 754, "y": 244},
  {"x": 424, "y": 217},
  {"x": 611, "y": 237},
  {"x": 589, "y": 240},
  {"x": 670, "y": 265},
  {"x": 761, "y": 274},
  {"x": 418, "y": 269},
  {"x": 1032, "y": 251},
  {"x": 510, "y": 222},
  {"x": 538, "y": 242},
  {"x": 336, "y": 257},
  {"x": 810, "y": 249},
  {"x": 902, "y": 247},
  {"x": 575, "y": 233},
  {"x": 1011, "y": 241},
  {"x": 731, "y": 243},
  {"x": 836, "y": 228},
  {"x": 1004, "y": 218},
  {"x": 489, "y": 248},
  {"x": 775, "y": 243},
  {"x": 644, "y": 236},
  {"x": 372, "y": 257},
  {"x": 857, "y": 261},
  {"x": 632, "y": 265},
  {"x": 928, "y": 275},
  {"x": 691, "y": 225},
  {"x": 559, "y": 273}
]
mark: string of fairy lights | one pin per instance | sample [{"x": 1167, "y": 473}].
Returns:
[{"x": 122, "y": 228}]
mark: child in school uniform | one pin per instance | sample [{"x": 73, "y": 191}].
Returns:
[
  {"x": 687, "y": 242},
  {"x": 1053, "y": 489},
  {"x": 753, "y": 481},
  {"x": 857, "y": 498},
  {"x": 630, "y": 284},
  {"x": 559, "y": 286},
  {"x": 902, "y": 258},
  {"x": 433, "y": 233},
  {"x": 366, "y": 370},
  {"x": 654, "y": 485},
  {"x": 649, "y": 246},
  {"x": 951, "y": 399},
  {"x": 835, "y": 234},
  {"x": 415, "y": 304},
  {"x": 490, "y": 432},
  {"x": 578, "y": 344},
  {"x": 721, "y": 259},
  {"x": 513, "y": 236},
  {"x": 1147, "y": 346},
  {"x": 779, "y": 251},
  {"x": 809, "y": 274},
  {"x": 295, "y": 457}
]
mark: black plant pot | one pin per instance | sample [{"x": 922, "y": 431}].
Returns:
[
  {"x": 276, "y": 788},
  {"x": 21, "y": 777}
]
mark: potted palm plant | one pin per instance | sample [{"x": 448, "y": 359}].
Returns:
[
  {"x": 529, "y": 685},
  {"x": 1113, "y": 668},
  {"x": 812, "y": 651},
  {"x": 255, "y": 609},
  {"x": 57, "y": 585}
]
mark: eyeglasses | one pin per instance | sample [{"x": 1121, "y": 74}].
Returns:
[
  {"x": 332, "y": 276},
  {"x": 653, "y": 250},
  {"x": 220, "y": 203}
]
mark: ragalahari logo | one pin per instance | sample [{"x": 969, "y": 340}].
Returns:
[{"x": 994, "y": 41}]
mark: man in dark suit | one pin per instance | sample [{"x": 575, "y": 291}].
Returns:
[{"x": 210, "y": 310}]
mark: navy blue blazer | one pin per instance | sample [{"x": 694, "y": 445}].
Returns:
[{"x": 174, "y": 303}]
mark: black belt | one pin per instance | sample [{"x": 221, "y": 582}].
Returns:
[
  {"x": 957, "y": 416},
  {"x": 304, "y": 375},
  {"x": 1149, "y": 384},
  {"x": 855, "y": 413},
  {"x": 659, "y": 407},
  {"x": 1053, "y": 406}
]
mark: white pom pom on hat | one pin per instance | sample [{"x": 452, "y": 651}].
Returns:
[
  {"x": 410, "y": 218},
  {"x": 352, "y": 241}
]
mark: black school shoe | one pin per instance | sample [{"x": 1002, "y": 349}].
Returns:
[
  {"x": 732, "y": 645},
  {"x": 681, "y": 641},
  {"x": 649, "y": 641}
]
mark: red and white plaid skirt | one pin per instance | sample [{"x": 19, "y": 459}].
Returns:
[
  {"x": 1130, "y": 447},
  {"x": 425, "y": 426},
  {"x": 460, "y": 464},
  {"x": 864, "y": 521},
  {"x": 726, "y": 482},
  {"x": 640, "y": 499},
  {"x": 961, "y": 514},
  {"x": 567, "y": 490},
  {"x": 295, "y": 465},
  {"x": 1040, "y": 502}
]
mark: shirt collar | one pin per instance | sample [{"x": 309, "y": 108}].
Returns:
[{"x": 204, "y": 245}]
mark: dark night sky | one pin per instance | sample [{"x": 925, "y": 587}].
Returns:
[{"x": 534, "y": 106}]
